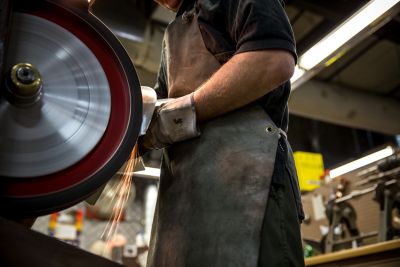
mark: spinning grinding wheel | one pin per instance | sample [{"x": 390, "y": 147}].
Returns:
[{"x": 70, "y": 108}]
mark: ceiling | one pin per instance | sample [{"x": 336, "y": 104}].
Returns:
[{"x": 360, "y": 89}]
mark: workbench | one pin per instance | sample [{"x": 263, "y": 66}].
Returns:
[{"x": 385, "y": 254}]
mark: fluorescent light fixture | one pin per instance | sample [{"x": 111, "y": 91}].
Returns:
[
  {"x": 297, "y": 74},
  {"x": 381, "y": 154},
  {"x": 149, "y": 172},
  {"x": 342, "y": 34}
]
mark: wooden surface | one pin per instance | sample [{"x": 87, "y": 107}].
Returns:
[{"x": 386, "y": 250}]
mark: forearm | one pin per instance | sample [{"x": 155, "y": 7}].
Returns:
[{"x": 243, "y": 79}]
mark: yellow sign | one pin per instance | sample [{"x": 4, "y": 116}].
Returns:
[{"x": 310, "y": 167}]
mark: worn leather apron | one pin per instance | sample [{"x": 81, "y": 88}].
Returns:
[{"x": 213, "y": 189}]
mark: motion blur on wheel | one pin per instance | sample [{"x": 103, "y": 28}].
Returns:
[{"x": 70, "y": 107}]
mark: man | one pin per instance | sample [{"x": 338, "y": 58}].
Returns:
[{"x": 228, "y": 191}]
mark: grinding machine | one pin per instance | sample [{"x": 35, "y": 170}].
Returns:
[{"x": 70, "y": 106}]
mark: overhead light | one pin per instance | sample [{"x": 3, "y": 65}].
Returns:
[
  {"x": 333, "y": 45},
  {"x": 342, "y": 34},
  {"x": 298, "y": 72},
  {"x": 381, "y": 154}
]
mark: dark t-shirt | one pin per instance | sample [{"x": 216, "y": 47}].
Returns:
[{"x": 229, "y": 27}]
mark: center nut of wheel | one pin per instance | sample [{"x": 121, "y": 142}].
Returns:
[{"x": 25, "y": 84}]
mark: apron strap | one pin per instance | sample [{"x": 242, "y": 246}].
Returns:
[{"x": 282, "y": 133}]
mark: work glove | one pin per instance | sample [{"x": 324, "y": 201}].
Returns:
[{"x": 172, "y": 121}]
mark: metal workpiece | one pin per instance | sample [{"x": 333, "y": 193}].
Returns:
[{"x": 149, "y": 97}]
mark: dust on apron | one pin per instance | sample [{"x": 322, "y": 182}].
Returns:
[{"x": 213, "y": 189}]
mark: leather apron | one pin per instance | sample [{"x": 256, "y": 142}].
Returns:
[{"x": 213, "y": 189}]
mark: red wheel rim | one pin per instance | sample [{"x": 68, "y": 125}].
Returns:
[{"x": 120, "y": 117}]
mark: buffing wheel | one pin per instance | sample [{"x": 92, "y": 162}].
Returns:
[{"x": 70, "y": 108}]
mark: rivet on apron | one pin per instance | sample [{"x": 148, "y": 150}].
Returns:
[{"x": 270, "y": 129}]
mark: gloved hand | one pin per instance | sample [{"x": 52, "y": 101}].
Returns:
[{"x": 172, "y": 122}]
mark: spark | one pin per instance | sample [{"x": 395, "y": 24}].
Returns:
[{"x": 123, "y": 189}]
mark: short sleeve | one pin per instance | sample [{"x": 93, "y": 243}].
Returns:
[
  {"x": 260, "y": 24},
  {"x": 248, "y": 25}
]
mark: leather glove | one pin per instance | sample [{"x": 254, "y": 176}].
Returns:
[{"x": 172, "y": 122}]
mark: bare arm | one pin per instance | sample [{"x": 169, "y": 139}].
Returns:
[{"x": 243, "y": 79}]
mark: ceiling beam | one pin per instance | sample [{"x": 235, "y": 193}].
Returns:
[
  {"x": 390, "y": 31},
  {"x": 346, "y": 107}
]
